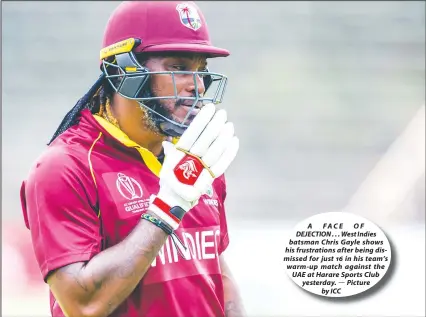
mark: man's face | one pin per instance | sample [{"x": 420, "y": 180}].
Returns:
[{"x": 163, "y": 85}]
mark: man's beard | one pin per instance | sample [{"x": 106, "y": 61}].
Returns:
[{"x": 151, "y": 119}]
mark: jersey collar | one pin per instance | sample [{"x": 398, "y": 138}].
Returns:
[{"x": 148, "y": 157}]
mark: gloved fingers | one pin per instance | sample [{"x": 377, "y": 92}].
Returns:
[
  {"x": 210, "y": 133},
  {"x": 219, "y": 145},
  {"x": 196, "y": 127},
  {"x": 226, "y": 158}
]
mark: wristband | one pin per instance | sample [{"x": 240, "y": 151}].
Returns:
[
  {"x": 168, "y": 230},
  {"x": 170, "y": 215},
  {"x": 160, "y": 224}
]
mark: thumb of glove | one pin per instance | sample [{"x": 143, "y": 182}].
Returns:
[{"x": 167, "y": 146}]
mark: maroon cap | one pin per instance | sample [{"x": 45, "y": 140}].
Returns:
[{"x": 161, "y": 26}]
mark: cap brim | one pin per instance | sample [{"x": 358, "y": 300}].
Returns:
[{"x": 211, "y": 51}]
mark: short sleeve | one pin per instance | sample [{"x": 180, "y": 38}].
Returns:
[
  {"x": 58, "y": 204},
  {"x": 224, "y": 236}
]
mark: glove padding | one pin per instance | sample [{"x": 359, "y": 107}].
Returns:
[{"x": 202, "y": 154}]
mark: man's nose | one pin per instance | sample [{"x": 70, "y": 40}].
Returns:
[{"x": 196, "y": 84}]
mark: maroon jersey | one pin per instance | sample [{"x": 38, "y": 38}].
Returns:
[{"x": 86, "y": 193}]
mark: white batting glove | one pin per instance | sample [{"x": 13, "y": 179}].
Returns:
[{"x": 203, "y": 153}]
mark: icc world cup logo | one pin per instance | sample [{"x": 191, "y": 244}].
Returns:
[{"x": 128, "y": 187}]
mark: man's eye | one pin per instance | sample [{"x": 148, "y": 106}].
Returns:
[{"x": 179, "y": 67}]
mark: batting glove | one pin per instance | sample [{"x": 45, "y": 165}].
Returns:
[{"x": 202, "y": 154}]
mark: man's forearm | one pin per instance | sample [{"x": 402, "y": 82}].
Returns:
[
  {"x": 108, "y": 278},
  {"x": 233, "y": 303}
]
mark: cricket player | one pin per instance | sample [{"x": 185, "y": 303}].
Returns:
[{"x": 126, "y": 204}]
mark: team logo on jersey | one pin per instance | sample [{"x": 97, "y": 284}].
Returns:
[
  {"x": 211, "y": 201},
  {"x": 189, "y": 16},
  {"x": 209, "y": 191},
  {"x": 128, "y": 187}
]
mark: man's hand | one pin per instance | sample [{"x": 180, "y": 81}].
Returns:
[{"x": 202, "y": 154}]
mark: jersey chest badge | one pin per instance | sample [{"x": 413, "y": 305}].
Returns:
[{"x": 129, "y": 195}]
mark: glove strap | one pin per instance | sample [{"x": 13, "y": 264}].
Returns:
[{"x": 170, "y": 215}]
